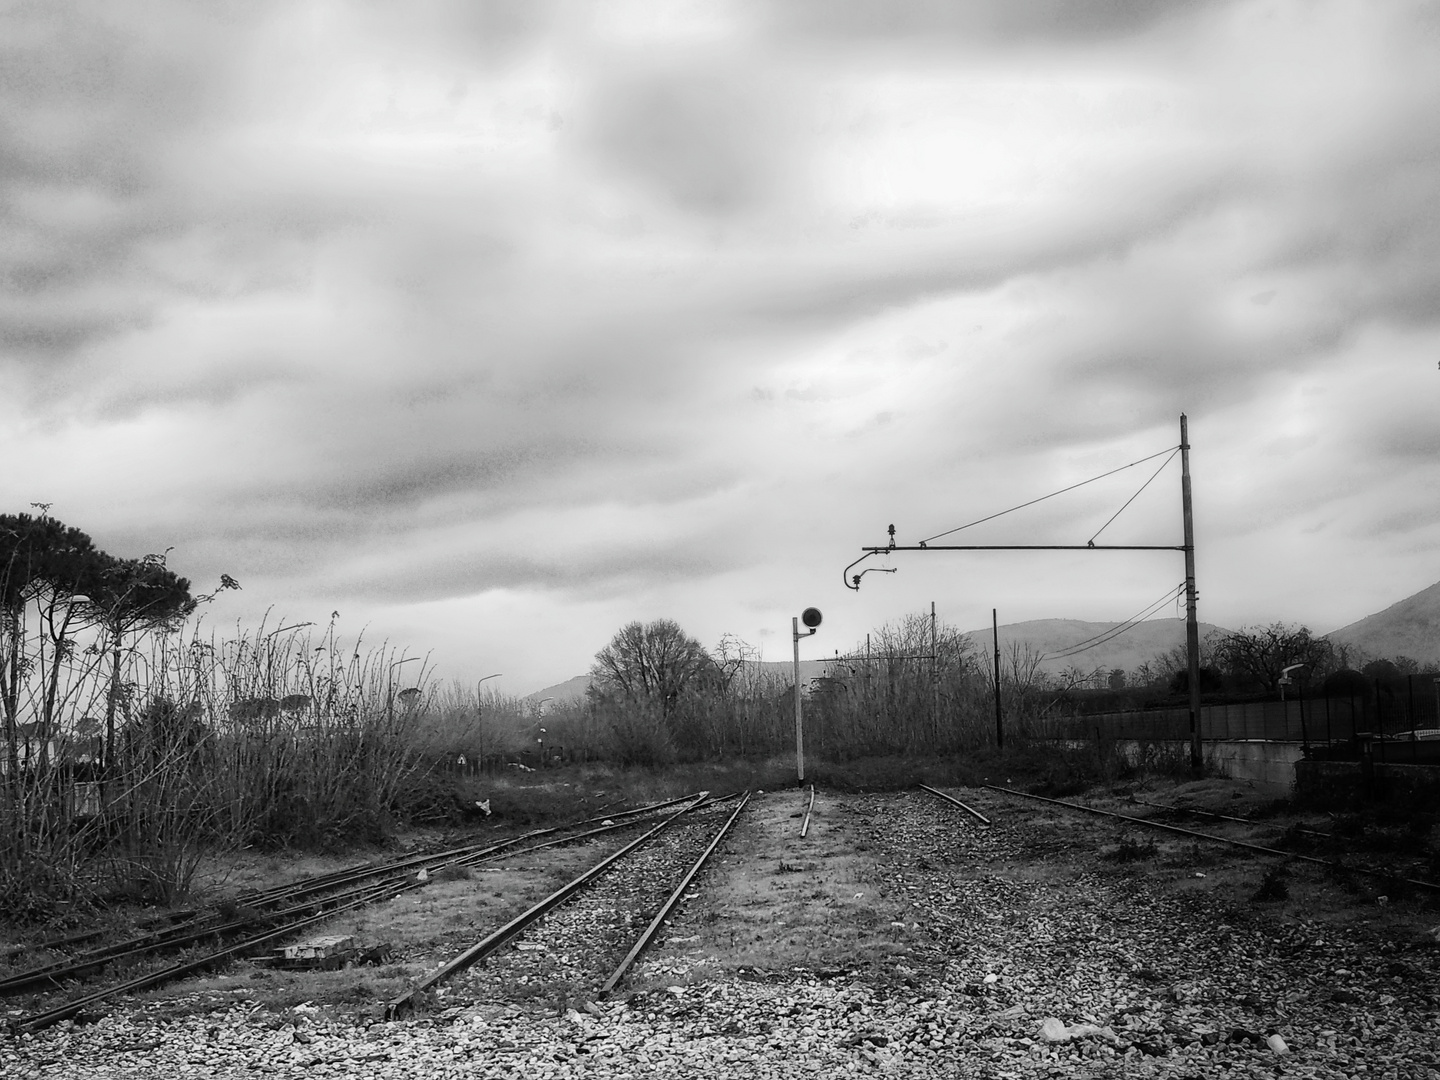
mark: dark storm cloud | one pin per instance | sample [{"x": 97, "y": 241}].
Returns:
[
  {"x": 42, "y": 331},
  {"x": 209, "y": 389},
  {"x": 91, "y": 95},
  {"x": 924, "y": 23},
  {"x": 517, "y": 303},
  {"x": 1408, "y": 430},
  {"x": 425, "y": 477},
  {"x": 712, "y": 141},
  {"x": 597, "y": 573}
]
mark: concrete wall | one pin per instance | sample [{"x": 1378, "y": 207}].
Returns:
[
  {"x": 1341, "y": 781},
  {"x": 1281, "y": 767},
  {"x": 1271, "y": 764}
]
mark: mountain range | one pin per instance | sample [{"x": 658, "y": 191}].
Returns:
[{"x": 1410, "y": 627}]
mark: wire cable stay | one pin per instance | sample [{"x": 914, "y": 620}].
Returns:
[
  {"x": 1137, "y": 494},
  {"x": 1115, "y": 631},
  {"x": 1168, "y": 450}
]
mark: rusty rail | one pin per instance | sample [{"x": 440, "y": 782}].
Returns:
[
  {"x": 493, "y": 941},
  {"x": 951, "y": 799},
  {"x": 645, "y": 938},
  {"x": 300, "y": 915},
  {"x": 1332, "y": 864}
]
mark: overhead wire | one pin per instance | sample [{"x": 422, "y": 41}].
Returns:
[
  {"x": 1096, "y": 640},
  {"x": 1171, "y": 450},
  {"x": 1132, "y": 498}
]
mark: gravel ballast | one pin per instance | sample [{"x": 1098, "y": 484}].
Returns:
[{"x": 1017, "y": 956}]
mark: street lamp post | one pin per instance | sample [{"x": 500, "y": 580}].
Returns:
[{"x": 480, "y": 720}]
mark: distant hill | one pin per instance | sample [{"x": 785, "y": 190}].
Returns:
[
  {"x": 569, "y": 690},
  {"x": 1127, "y": 651},
  {"x": 1408, "y": 628}
]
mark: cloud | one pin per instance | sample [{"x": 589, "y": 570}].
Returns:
[
  {"x": 495, "y": 308},
  {"x": 715, "y": 140},
  {"x": 924, "y": 22}
]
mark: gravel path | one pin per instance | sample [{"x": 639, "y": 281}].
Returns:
[{"x": 1018, "y": 967}]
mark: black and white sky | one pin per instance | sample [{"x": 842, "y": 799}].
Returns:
[{"x": 495, "y": 324}]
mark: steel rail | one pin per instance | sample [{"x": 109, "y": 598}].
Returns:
[
  {"x": 1230, "y": 817},
  {"x": 348, "y": 875},
  {"x": 1333, "y": 864},
  {"x": 498, "y": 938},
  {"x": 951, "y": 799},
  {"x": 188, "y": 933},
  {"x": 805, "y": 825},
  {"x": 92, "y": 963},
  {"x": 185, "y": 933},
  {"x": 38, "y": 1021},
  {"x": 95, "y": 960},
  {"x": 643, "y": 941},
  {"x": 52, "y": 943}
]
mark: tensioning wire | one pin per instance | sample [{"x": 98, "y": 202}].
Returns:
[
  {"x": 1062, "y": 491},
  {"x": 1132, "y": 498}
]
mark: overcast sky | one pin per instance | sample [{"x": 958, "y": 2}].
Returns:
[{"x": 494, "y": 326}]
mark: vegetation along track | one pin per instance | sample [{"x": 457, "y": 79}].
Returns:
[
  {"x": 577, "y": 943},
  {"x": 261, "y": 919}
]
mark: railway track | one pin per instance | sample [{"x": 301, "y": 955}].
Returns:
[
  {"x": 574, "y": 946},
  {"x": 579, "y": 943},
  {"x": 1389, "y": 874},
  {"x": 272, "y": 915}
]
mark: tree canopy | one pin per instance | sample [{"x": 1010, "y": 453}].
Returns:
[
  {"x": 132, "y": 594},
  {"x": 41, "y": 552},
  {"x": 1263, "y": 653},
  {"x": 655, "y": 661}
]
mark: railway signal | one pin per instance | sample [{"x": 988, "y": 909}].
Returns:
[{"x": 811, "y": 618}]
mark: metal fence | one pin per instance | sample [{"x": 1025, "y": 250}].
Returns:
[{"x": 1403, "y": 722}]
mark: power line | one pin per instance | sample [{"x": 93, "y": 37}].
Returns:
[{"x": 1113, "y": 632}]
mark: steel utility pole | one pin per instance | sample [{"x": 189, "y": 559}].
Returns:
[
  {"x": 1192, "y": 624},
  {"x": 934, "y": 673},
  {"x": 1192, "y": 620},
  {"x": 999, "y": 717}
]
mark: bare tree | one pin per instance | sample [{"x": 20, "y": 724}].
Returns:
[
  {"x": 1263, "y": 653},
  {"x": 652, "y": 663}
]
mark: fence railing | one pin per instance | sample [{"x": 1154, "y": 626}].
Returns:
[{"x": 1397, "y": 718}]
